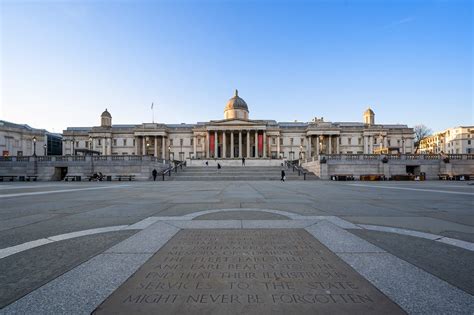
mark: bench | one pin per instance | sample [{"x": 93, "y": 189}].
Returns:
[
  {"x": 462, "y": 177},
  {"x": 342, "y": 177},
  {"x": 73, "y": 178},
  {"x": 31, "y": 178},
  {"x": 10, "y": 177},
  {"x": 372, "y": 177},
  {"x": 445, "y": 177},
  {"x": 402, "y": 177},
  {"x": 129, "y": 177}
]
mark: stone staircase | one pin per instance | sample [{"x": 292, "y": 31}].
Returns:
[{"x": 237, "y": 173}]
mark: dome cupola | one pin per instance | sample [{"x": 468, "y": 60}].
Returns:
[
  {"x": 106, "y": 119},
  {"x": 369, "y": 117},
  {"x": 236, "y": 108}
]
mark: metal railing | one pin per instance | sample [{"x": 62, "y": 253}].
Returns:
[
  {"x": 172, "y": 169},
  {"x": 296, "y": 168}
]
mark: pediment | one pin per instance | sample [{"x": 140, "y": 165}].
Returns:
[{"x": 233, "y": 122}]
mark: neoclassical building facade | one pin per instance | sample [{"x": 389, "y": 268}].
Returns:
[{"x": 238, "y": 136}]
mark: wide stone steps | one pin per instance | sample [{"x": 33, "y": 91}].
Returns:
[{"x": 232, "y": 173}]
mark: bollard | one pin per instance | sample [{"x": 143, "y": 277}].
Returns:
[
  {"x": 304, "y": 176},
  {"x": 176, "y": 170},
  {"x": 299, "y": 172},
  {"x": 169, "y": 172},
  {"x": 163, "y": 175},
  {"x": 293, "y": 168}
]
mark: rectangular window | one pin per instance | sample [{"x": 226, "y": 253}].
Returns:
[
  {"x": 468, "y": 141},
  {"x": 124, "y": 142},
  {"x": 388, "y": 142},
  {"x": 192, "y": 141},
  {"x": 360, "y": 141},
  {"x": 171, "y": 141},
  {"x": 133, "y": 142},
  {"x": 115, "y": 142},
  {"x": 281, "y": 141},
  {"x": 349, "y": 141},
  {"x": 199, "y": 140},
  {"x": 181, "y": 141},
  {"x": 273, "y": 140},
  {"x": 291, "y": 141},
  {"x": 301, "y": 140},
  {"x": 99, "y": 142},
  {"x": 77, "y": 144}
]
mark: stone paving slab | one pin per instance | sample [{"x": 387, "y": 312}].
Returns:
[
  {"x": 339, "y": 240},
  {"x": 417, "y": 291},
  {"x": 251, "y": 272}
]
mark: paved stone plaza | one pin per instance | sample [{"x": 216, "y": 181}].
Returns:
[{"x": 357, "y": 247}]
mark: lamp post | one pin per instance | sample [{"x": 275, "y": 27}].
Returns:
[
  {"x": 34, "y": 146},
  {"x": 147, "y": 147},
  {"x": 90, "y": 144},
  {"x": 301, "y": 154},
  {"x": 169, "y": 152},
  {"x": 72, "y": 145},
  {"x": 45, "y": 151},
  {"x": 181, "y": 153}
]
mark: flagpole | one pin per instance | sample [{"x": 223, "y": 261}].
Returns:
[{"x": 152, "y": 113}]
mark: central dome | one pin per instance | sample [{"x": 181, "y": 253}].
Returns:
[
  {"x": 236, "y": 103},
  {"x": 236, "y": 108}
]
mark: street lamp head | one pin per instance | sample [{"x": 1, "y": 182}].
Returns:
[{"x": 34, "y": 139}]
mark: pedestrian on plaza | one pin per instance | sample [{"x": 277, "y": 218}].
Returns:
[
  {"x": 283, "y": 176},
  {"x": 218, "y": 167},
  {"x": 154, "y": 173},
  {"x": 207, "y": 163},
  {"x": 243, "y": 161}
]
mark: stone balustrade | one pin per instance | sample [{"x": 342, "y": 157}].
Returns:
[{"x": 80, "y": 158}]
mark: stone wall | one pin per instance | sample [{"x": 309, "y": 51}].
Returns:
[
  {"x": 49, "y": 167},
  {"x": 364, "y": 164}
]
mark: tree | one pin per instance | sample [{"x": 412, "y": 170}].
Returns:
[{"x": 421, "y": 132}]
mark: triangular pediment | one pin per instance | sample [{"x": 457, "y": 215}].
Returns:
[{"x": 232, "y": 122}]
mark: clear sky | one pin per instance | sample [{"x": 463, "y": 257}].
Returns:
[{"x": 64, "y": 62}]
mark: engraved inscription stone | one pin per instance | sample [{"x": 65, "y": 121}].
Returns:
[{"x": 246, "y": 271}]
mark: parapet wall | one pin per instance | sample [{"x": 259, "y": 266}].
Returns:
[
  {"x": 389, "y": 165},
  {"x": 50, "y": 167}
]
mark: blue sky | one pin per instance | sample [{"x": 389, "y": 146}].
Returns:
[{"x": 64, "y": 62}]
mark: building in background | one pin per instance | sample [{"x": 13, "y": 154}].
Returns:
[
  {"x": 237, "y": 136},
  {"x": 457, "y": 140},
  {"x": 23, "y": 140}
]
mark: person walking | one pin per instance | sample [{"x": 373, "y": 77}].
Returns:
[
  {"x": 218, "y": 167},
  {"x": 283, "y": 176},
  {"x": 154, "y": 173},
  {"x": 207, "y": 163},
  {"x": 243, "y": 161}
]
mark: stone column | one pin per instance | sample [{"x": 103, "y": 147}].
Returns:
[
  {"x": 330, "y": 144},
  {"x": 136, "y": 145},
  {"x": 207, "y": 145},
  {"x": 308, "y": 147},
  {"x": 104, "y": 147},
  {"x": 366, "y": 145},
  {"x": 194, "y": 145},
  {"x": 371, "y": 144},
  {"x": 232, "y": 144},
  {"x": 215, "y": 144},
  {"x": 385, "y": 142},
  {"x": 278, "y": 147},
  {"x": 337, "y": 145},
  {"x": 156, "y": 146},
  {"x": 224, "y": 146},
  {"x": 317, "y": 145},
  {"x": 256, "y": 143},
  {"x": 163, "y": 148},
  {"x": 240, "y": 144},
  {"x": 143, "y": 145},
  {"x": 248, "y": 143},
  {"x": 264, "y": 144}
]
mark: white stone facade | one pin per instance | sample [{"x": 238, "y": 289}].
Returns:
[
  {"x": 19, "y": 140},
  {"x": 457, "y": 140},
  {"x": 237, "y": 137}
]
